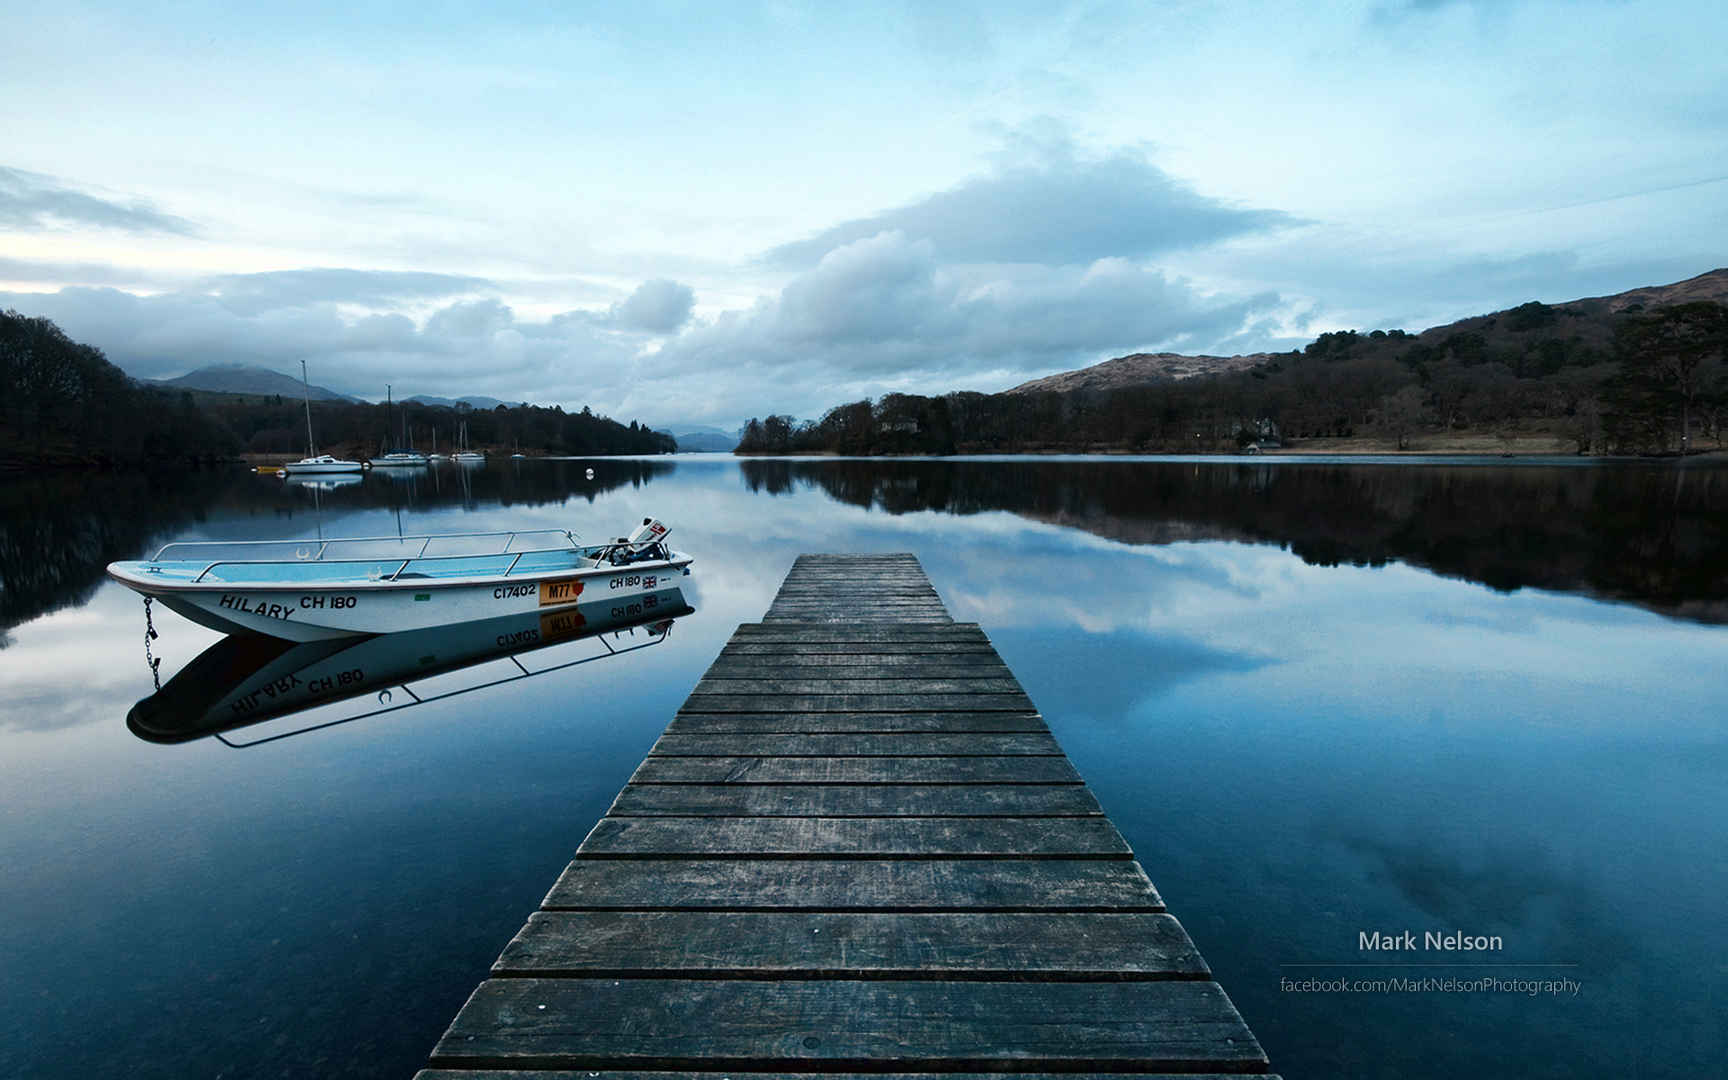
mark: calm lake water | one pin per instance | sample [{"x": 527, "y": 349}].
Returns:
[{"x": 1317, "y": 698}]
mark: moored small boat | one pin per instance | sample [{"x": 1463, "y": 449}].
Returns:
[
  {"x": 399, "y": 458},
  {"x": 314, "y": 462},
  {"x": 313, "y": 590},
  {"x": 323, "y": 463}
]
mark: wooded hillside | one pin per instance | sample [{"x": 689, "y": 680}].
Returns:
[
  {"x": 1606, "y": 377},
  {"x": 64, "y": 403}
]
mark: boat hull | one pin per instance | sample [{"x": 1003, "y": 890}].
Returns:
[
  {"x": 305, "y": 612},
  {"x": 320, "y": 467}
]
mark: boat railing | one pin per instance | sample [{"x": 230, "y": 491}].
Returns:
[
  {"x": 320, "y": 550},
  {"x": 603, "y": 554}
]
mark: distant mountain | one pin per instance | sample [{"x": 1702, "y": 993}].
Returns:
[
  {"x": 1138, "y": 369},
  {"x": 1142, "y": 368},
  {"x": 245, "y": 379},
  {"x": 704, "y": 442},
  {"x": 475, "y": 401},
  {"x": 702, "y": 438}
]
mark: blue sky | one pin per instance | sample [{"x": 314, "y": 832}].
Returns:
[{"x": 697, "y": 213}]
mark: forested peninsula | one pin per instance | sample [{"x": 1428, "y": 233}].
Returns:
[
  {"x": 64, "y": 403},
  {"x": 1641, "y": 372}
]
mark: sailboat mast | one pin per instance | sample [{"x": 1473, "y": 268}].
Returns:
[{"x": 306, "y": 387}]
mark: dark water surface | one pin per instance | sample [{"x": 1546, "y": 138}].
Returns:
[{"x": 1318, "y": 698}]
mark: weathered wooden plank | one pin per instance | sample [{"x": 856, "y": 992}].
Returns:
[
  {"x": 865, "y": 594},
  {"x": 882, "y": 613},
  {"x": 824, "y": 584},
  {"x": 854, "y": 945},
  {"x": 930, "y": 668},
  {"x": 804, "y": 637},
  {"x": 862, "y": 590},
  {"x": 871, "y": 594},
  {"x": 802, "y": 838},
  {"x": 917, "y": 744},
  {"x": 849, "y": 586},
  {"x": 908, "y": 597},
  {"x": 622, "y": 1074},
  {"x": 842, "y": 663},
  {"x": 860, "y": 723},
  {"x": 854, "y": 885},
  {"x": 854, "y": 800},
  {"x": 1023, "y": 769},
  {"x": 788, "y": 606},
  {"x": 857, "y": 702},
  {"x": 823, "y": 632},
  {"x": 879, "y": 586},
  {"x": 844, "y": 1023},
  {"x": 856, "y": 575},
  {"x": 805, "y": 647},
  {"x": 854, "y": 618},
  {"x": 986, "y": 684}
]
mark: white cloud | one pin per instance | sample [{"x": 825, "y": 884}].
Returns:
[
  {"x": 658, "y": 307},
  {"x": 34, "y": 202},
  {"x": 882, "y": 312},
  {"x": 1048, "y": 202}
]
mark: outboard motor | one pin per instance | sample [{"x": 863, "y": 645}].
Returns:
[
  {"x": 643, "y": 545},
  {"x": 649, "y": 530}
]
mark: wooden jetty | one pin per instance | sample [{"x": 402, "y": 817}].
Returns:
[{"x": 856, "y": 848}]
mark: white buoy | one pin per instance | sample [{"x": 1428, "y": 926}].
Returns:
[{"x": 590, "y": 474}]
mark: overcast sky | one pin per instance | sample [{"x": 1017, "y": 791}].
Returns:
[{"x": 695, "y": 213}]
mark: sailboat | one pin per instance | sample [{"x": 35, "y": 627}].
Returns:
[
  {"x": 314, "y": 462},
  {"x": 398, "y": 458},
  {"x": 465, "y": 454},
  {"x": 435, "y": 456}
]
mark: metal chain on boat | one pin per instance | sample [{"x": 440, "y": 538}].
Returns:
[{"x": 155, "y": 662}]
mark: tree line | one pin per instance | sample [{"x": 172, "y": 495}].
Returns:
[
  {"x": 63, "y": 402},
  {"x": 1635, "y": 381},
  {"x": 273, "y": 424}
]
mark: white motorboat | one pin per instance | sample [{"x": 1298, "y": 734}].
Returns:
[
  {"x": 313, "y": 590},
  {"x": 314, "y": 462},
  {"x": 323, "y": 463}
]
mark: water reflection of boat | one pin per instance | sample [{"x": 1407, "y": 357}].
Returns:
[
  {"x": 246, "y": 679},
  {"x": 323, "y": 483},
  {"x": 402, "y": 475},
  {"x": 306, "y": 590}
]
